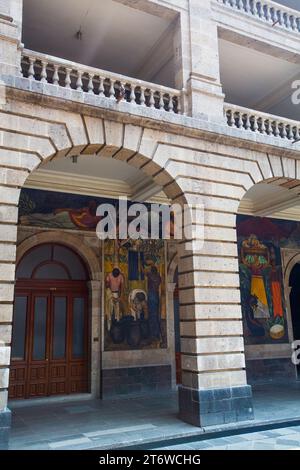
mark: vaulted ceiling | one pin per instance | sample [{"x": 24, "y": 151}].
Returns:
[{"x": 114, "y": 37}]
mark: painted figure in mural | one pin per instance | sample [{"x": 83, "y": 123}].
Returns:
[
  {"x": 114, "y": 284},
  {"x": 255, "y": 255},
  {"x": 138, "y": 304},
  {"x": 84, "y": 218},
  {"x": 153, "y": 289},
  {"x": 275, "y": 285}
]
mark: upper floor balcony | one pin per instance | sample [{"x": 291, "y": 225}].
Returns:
[{"x": 140, "y": 56}]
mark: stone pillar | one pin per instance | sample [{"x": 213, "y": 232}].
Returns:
[
  {"x": 214, "y": 386},
  {"x": 11, "y": 180},
  {"x": 171, "y": 329},
  {"x": 204, "y": 90},
  {"x": 10, "y": 36},
  {"x": 96, "y": 332}
]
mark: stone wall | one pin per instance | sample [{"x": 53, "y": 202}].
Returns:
[
  {"x": 136, "y": 381},
  {"x": 270, "y": 370}
]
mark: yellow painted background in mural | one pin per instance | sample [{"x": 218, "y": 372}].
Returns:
[{"x": 135, "y": 294}]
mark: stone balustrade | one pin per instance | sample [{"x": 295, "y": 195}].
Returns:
[
  {"x": 70, "y": 75},
  {"x": 262, "y": 123},
  {"x": 267, "y": 11}
]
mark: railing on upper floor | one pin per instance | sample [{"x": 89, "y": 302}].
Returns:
[
  {"x": 267, "y": 11},
  {"x": 70, "y": 75},
  {"x": 261, "y": 123}
]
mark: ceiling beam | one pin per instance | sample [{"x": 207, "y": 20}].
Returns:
[
  {"x": 270, "y": 209},
  {"x": 145, "y": 193}
]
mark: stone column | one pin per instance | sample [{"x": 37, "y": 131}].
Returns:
[
  {"x": 205, "y": 96},
  {"x": 171, "y": 329},
  {"x": 10, "y": 36},
  {"x": 11, "y": 180},
  {"x": 95, "y": 312},
  {"x": 214, "y": 386}
]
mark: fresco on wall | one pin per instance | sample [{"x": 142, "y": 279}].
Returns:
[
  {"x": 58, "y": 210},
  {"x": 134, "y": 270},
  {"x": 135, "y": 294},
  {"x": 262, "y": 293}
]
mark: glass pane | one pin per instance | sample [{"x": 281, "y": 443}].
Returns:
[
  {"x": 59, "y": 333},
  {"x": 78, "y": 327},
  {"x": 31, "y": 260},
  {"x": 72, "y": 262},
  {"x": 51, "y": 271},
  {"x": 40, "y": 328},
  {"x": 19, "y": 328}
]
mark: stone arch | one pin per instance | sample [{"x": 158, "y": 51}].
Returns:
[
  {"x": 71, "y": 241},
  {"x": 289, "y": 260},
  {"x": 90, "y": 260}
]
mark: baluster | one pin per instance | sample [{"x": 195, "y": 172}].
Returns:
[
  {"x": 255, "y": 123},
  {"x": 269, "y": 127},
  {"x": 179, "y": 105},
  {"x": 280, "y": 17},
  {"x": 247, "y": 6},
  {"x": 68, "y": 78},
  {"x": 56, "y": 75},
  {"x": 91, "y": 84},
  {"x": 255, "y": 8},
  {"x": 276, "y": 129},
  {"x": 161, "y": 101},
  {"x": 293, "y": 23},
  {"x": 171, "y": 104},
  {"x": 111, "y": 90},
  {"x": 288, "y": 21},
  {"x": 290, "y": 135},
  {"x": 132, "y": 94},
  {"x": 151, "y": 99},
  {"x": 101, "y": 86},
  {"x": 268, "y": 15},
  {"x": 79, "y": 81},
  {"x": 142, "y": 97},
  {"x": 240, "y": 123},
  {"x": 284, "y": 132},
  {"x": 31, "y": 71},
  {"x": 262, "y": 126},
  {"x": 231, "y": 120},
  {"x": 239, "y": 4},
  {"x": 247, "y": 123},
  {"x": 297, "y": 133},
  {"x": 122, "y": 90},
  {"x": 44, "y": 72}
]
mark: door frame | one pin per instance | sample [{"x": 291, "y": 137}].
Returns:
[{"x": 31, "y": 289}]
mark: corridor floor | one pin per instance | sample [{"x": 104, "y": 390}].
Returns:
[{"x": 88, "y": 424}]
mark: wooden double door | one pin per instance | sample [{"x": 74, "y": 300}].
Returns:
[{"x": 50, "y": 347}]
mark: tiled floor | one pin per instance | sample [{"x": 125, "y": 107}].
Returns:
[
  {"x": 107, "y": 424},
  {"x": 279, "y": 439}
]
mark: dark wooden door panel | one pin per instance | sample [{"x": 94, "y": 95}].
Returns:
[{"x": 56, "y": 355}]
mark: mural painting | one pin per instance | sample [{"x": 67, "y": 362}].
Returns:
[
  {"x": 134, "y": 270},
  {"x": 262, "y": 294},
  {"x": 135, "y": 294}
]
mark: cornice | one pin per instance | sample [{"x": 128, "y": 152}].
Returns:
[{"x": 162, "y": 121}]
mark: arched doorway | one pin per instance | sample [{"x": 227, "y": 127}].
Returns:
[
  {"x": 50, "y": 350},
  {"x": 294, "y": 283}
]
